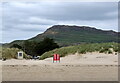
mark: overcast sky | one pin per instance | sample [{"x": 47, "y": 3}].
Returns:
[{"x": 23, "y": 20}]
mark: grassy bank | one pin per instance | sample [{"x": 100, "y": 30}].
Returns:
[
  {"x": 9, "y": 53},
  {"x": 83, "y": 48}
]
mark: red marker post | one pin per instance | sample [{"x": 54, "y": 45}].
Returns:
[{"x": 56, "y": 57}]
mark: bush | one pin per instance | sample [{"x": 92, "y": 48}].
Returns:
[
  {"x": 16, "y": 46},
  {"x": 103, "y": 50},
  {"x": 38, "y": 48},
  {"x": 110, "y": 52},
  {"x": 9, "y": 53}
]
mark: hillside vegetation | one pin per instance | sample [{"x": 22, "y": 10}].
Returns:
[
  {"x": 65, "y": 35},
  {"x": 9, "y": 53},
  {"x": 84, "y": 48}
]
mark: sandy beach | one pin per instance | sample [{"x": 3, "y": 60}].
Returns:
[{"x": 78, "y": 67}]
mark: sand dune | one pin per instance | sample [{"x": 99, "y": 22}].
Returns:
[
  {"x": 78, "y": 67},
  {"x": 91, "y": 58}
]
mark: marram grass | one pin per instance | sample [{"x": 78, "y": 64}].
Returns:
[
  {"x": 83, "y": 48},
  {"x": 9, "y": 53}
]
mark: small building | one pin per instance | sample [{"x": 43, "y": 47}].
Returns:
[{"x": 20, "y": 55}]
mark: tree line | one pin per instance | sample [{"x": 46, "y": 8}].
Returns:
[{"x": 35, "y": 48}]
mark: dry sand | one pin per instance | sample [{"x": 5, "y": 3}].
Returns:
[{"x": 85, "y": 67}]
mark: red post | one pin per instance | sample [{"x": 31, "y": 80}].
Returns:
[{"x": 56, "y": 57}]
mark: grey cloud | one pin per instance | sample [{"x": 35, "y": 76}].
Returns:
[
  {"x": 38, "y": 21},
  {"x": 61, "y": 11},
  {"x": 69, "y": 10},
  {"x": 31, "y": 27},
  {"x": 78, "y": 11},
  {"x": 37, "y": 17}
]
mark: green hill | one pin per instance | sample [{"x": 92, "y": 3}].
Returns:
[
  {"x": 66, "y": 35},
  {"x": 72, "y": 35}
]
